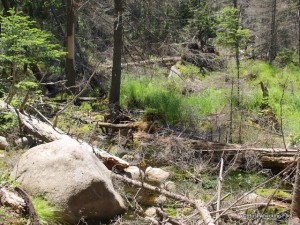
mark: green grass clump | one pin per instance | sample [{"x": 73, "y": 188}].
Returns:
[
  {"x": 190, "y": 71},
  {"x": 166, "y": 98},
  {"x": 47, "y": 214}
]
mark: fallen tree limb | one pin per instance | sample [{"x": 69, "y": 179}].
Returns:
[
  {"x": 120, "y": 126},
  {"x": 29, "y": 206},
  {"x": 255, "y": 188},
  {"x": 200, "y": 205},
  {"x": 166, "y": 60},
  {"x": 47, "y": 133}
]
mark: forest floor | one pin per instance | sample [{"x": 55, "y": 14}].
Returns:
[{"x": 192, "y": 156}]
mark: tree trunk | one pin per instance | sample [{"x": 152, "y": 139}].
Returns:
[
  {"x": 273, "y": 44},
  {"x": 234, "y": 3},
  {"x": 114, "y": 96},
  {"x": 295, "y": 207},
  {"x": 6, "y": 6},
  {"x": 299, "y": 32},
  {"x": 70, "y": 60}
]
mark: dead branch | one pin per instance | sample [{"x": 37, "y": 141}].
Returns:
[
  {"x": 47, "y": 133},
  {"x": 74, "y": 99},
  {"x": 152, "y": 220},
  {"x": 200, "y": 205},
  {"x": 220, "y": 181},
  {"x": 29, "y": 205},
  {"x": 145, "y": 62},
  {"x": 119, "y": 126},
  {"x": 255, "y": 188}
]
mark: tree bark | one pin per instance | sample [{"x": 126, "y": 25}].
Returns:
[
  {"x": 6, "y": 6},
  {"x": 114, "y": 96},
  {"x": 295, "y": 207},
  {"x": 273, "y": 41},
  {"x": 299, "y": 32},
  {"x": 70, "y": 60}
]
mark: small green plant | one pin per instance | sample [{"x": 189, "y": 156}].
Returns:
[
  {"x": 8, "y": 121},
  {"x": 47, "y": 214},
  {"x": 285, "y": 57},
  {"x": 190, "y": 71},
  {"x": 85, "y": 106},
  {"x": 295, "y": 139}
]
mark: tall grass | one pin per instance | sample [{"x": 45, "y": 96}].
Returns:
[
  {"x": 277, "y": 80},
  {"x": 167, "y": 98},
  {"x": 48, "y": 215}
]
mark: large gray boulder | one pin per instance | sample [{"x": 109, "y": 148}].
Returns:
[{"x": 70, "y": 176}]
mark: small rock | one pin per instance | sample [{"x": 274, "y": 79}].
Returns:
[
  {"x": 134, "y": 173},
  {"x": 174, "y": 72},
  {"x": 156, "y": 175},
  {"x": 169, "y": 186},
  {"x": 160, "y": 199},
  {"x": 3, "y": 143},
  {"x": 128, "y": 158},
  {"x": 252, "y": 198},
  {"x": 150, "y": 211},
  {"x": 24, "y": 141}
]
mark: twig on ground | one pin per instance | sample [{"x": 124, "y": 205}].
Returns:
[
  {"x": 200, "y": 205},
  {"x": 30, "y": 207}
]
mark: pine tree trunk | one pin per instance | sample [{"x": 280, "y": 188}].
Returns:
[
  {"x": 273, "y": 44},
  {"x": 70, "y": 60},
  {"x": 299, "y": 32},
  {"x": 114, "y": 97}
]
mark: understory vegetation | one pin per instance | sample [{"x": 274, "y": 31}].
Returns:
[{"x": 205, "y": 91}]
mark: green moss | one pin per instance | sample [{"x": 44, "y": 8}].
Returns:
[
  {"x": 171, "y": 212},
  {"x": 244, "y": 180},
  {"x": 85, "y": 106},
  {"x": 190, "y": 71},
  {"x": 268, "y": 192}
]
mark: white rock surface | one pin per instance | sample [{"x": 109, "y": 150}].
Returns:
[
  {"x": 156, "y": 175},
  {"x": 150, "y": 211},
  {"x": 134, "y": 173},
  {"x": 72, "y": 178},
  {"x": 3, "y": 143}
]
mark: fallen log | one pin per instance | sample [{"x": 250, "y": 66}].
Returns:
[
  {"x": 119, "y": 126},
  {"x": 200, "y": 205},
  {"x": 47, "y": 133},
  {"x": 12, "y": 200},
  {"x": 271, "y": 158},
  {"x": 166, "y": 60}
]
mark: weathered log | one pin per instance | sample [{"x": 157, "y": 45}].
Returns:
[
  {"x": 47, "y": 133},
  {"x": 119, "y": 126},
  {"x": 10, "y": 199},
  {"x": 166, "y": 60},
  {"x": 200, "y": 205}
]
